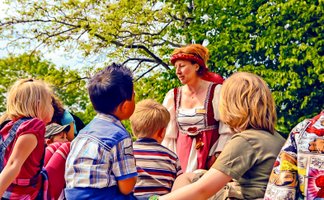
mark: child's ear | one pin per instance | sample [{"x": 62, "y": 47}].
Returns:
[
  {"x": 124, "y": 106},
  {"x": 125, "y": 109},
  {"x": 128, "y": 108},
  {"x": 48, "y": 141},
  {"x": 161, "y": 133}
]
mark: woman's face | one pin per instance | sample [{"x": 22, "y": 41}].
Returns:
[{"x": 186, "y": 71}]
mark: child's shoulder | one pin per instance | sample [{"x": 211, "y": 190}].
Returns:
[
  {"x": 26, "y": 126},
  {"x": 106, "y": 128},
  {"x": 103, "y": 132},
  {"x": 33, "y": 125},
  {"x": 154, "y": 148}
]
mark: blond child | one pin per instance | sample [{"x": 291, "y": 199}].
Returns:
[
  {"x": 247, "y": 106},
  {"x": 101, "y": 163},
  {"x": 157, "y": 166},
  {"x": 22, "y": 140}
]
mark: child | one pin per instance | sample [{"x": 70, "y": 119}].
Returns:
[
  {"x": 298, "y": 172},
  {"x": 101, "y": 163},
  {"x": 247, "y": 106},
  {"x": 157, "y": 166},
  {"x": 56, "y": 133},
  {"x": 63, "y": 117},
  {"x": 29, "y": 108},
  {"x": 57, "y": 149}
]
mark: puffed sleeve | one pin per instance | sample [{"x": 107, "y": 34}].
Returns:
[
  {"x": 225, "y": 133},
  {"x": 170, "y": 139}
]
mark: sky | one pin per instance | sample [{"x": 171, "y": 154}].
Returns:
[{"x": 58, "y": 56}]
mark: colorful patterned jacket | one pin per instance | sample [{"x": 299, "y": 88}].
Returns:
[{"x": 298, "y": 172}]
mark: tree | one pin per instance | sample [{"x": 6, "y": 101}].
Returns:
[
  {"x": 156, "y": 86},
  {"x": 66, "y": 83},
  {"x": 131, "y": 30},
  {"x": 282, "y": 41}
]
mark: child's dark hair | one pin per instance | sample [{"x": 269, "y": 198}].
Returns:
[
  {"x": 58, "y": 110},
  {"x": 110, "y": 87}
]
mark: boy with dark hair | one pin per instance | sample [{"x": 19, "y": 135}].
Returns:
[
  {"x": 157, "y": 166},
  {"x": 101, "y": 163}
]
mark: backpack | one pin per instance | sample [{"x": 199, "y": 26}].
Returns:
[{"x": 5, "y": 143}]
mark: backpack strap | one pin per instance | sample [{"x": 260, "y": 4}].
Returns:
[
  {"x": 5, "y": 143},
  {"x": 4, "y": 123}
]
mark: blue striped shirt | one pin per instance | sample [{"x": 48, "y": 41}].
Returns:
[{"x": 157, "y": 168}]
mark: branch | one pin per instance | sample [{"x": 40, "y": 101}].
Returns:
[
  {"x": 166, "y": 41},
  {"x": 81, "y": 34},
  {"x": 139, "y": 59},
  {"x": 147, "y": 33},
  {"x": 137, "y": 46},
  {"x": 137, "y": 66},
  {"x": 73, "y": 27},
  {"x": 58, "y": 33},
  {"x": 76, "y": 80},
  {"x": 146, "y": 72},
  {"x": 12, "y": 22}
]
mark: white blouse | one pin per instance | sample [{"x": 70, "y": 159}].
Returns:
[{"x": 187, "y": 117}]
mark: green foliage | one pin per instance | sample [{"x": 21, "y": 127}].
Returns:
[
  {"x": 156, "y": 85},
  {"x": 282, "y": 41},
  {"x": 66, "y": 83},
  {"x": 293, "y": 42},
  {"x": 119, "y": 29}
]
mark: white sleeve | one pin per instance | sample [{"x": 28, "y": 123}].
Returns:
[
  {"x": 225, "y": 132},
  {"x": 171, "y": 134}
]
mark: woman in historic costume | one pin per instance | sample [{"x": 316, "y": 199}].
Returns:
[{"x": 195, "y": 132}]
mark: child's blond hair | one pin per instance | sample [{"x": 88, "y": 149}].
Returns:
[
  {"x": 28, "y": 98},
  {"x": 246, "y": 102},
  {"x": 149, "y": 116}
]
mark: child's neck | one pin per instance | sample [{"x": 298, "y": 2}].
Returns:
[
  {"x": 114, "y": 115},
  {"x": 153, "y": 138}
]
